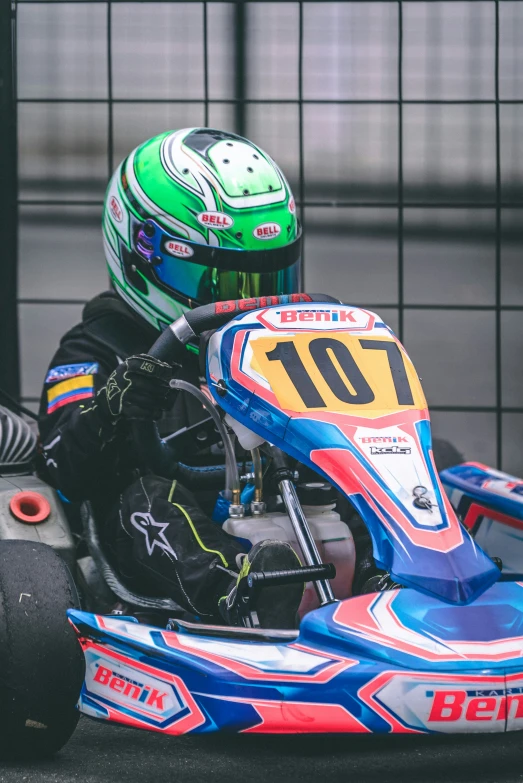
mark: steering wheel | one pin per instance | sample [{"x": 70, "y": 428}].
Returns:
[{"x": 157, "y": 454}]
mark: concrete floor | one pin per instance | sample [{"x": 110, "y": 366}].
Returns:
[{"x": 99, "y": 753}]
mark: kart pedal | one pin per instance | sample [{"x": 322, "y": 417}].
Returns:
[
  {"x": 290, "y": 576},
  {"x": 249, "y": 586}
]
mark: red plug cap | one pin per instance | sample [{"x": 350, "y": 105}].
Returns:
[{"x": 29, "y": 507}]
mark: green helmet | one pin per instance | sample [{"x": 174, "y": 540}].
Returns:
[{"x": 195, "y": 216}]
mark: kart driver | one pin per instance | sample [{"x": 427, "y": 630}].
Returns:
[{"x": 190, "y": 217}]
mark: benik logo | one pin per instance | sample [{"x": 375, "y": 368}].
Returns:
[
  {"x": 255, "y": 303},
  {"x": 333, "y": 316},
  {"x": 178, "y": 249},
  {"x": 115, "y": 209},
  {"x": 215, "y": 220},
  {"x": 317, "y": 316},
  {"x": 267, "y": 231},
  {"x": 451, "y": 706},
  {"x": 385, "y": 439},
  {"x": 137, "y": 692}
]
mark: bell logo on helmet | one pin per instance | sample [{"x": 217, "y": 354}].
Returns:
[
  {"x": 115, "y": 209},
  {"x": 178, "y": 249},
  {"x": 292, "y": 206},
  {"x": 267, "y": 231},
  {"x": 215, "y": 220}
]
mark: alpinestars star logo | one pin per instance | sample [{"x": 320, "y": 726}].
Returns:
[{"x": 153, "y": 531}]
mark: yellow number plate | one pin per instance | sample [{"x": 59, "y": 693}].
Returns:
[{"x": 340, "y": 373}]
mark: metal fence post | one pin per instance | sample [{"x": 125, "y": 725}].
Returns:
[
  {"x": 9, "y": 364},
  {"x": 240, "y": 31}
]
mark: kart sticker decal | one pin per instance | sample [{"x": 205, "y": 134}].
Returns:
[
  {"x": 477, "y": 511},
  {"x": 258, "y": 662},
  {"x": 318, "y": 316},
  {"x": 124, "y": 628},
  {"x": 291, "y": 717},
  {"x": 64, "y": 371},
  {"x": 72, "y": 390},
  {"x": 485, "y": 485},
  {"x": 136, "y": 694},
  {"x": 319, "y": 668},
  {"x": 433, "y": 531},
  {"x": 504, "y": 488},
  {"x": 374, "y": 618},
  {"x": 417, "y": 702},
  {"x": 338, "y": 373},
  {"x": 245, "y": 305}
]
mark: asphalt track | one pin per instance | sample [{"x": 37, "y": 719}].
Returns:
[{"x": 100, "y": 753}]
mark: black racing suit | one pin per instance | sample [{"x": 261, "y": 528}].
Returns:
[{"x": 153, "y": 529}]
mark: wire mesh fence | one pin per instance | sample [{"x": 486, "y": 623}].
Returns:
[{"x": 397, "y": 123}]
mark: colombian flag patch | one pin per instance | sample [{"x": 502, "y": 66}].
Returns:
[
  {"x": 72, "y": 390},
  {"x": 64, "y": 371}
]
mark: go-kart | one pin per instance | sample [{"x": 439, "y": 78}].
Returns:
[{"x": 310, "y": 381}]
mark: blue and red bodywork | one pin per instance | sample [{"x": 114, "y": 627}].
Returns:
[
  {"x": 437, "y": 559},
  {"x": 490, "y": 503},
  {"x": 395, "y": 662},
  {"x": 446, "y": 656}
]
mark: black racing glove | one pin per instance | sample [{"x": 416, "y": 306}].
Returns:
[{"x": 137, "y": 389}]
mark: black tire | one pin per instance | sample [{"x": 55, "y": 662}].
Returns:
[
  {"x": 446, "y": 454},
  {"x": 41, "y": 663}
]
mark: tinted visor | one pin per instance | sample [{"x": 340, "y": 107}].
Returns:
[{"x": 198, "y": 274}]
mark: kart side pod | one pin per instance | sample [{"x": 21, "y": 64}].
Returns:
[{"x": 394, "y": 662}]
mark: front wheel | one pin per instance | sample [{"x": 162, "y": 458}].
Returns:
[{"x": 41, "y": 663}]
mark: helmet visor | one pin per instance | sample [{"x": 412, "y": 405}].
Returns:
[{"x": 199, "y": 274}]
